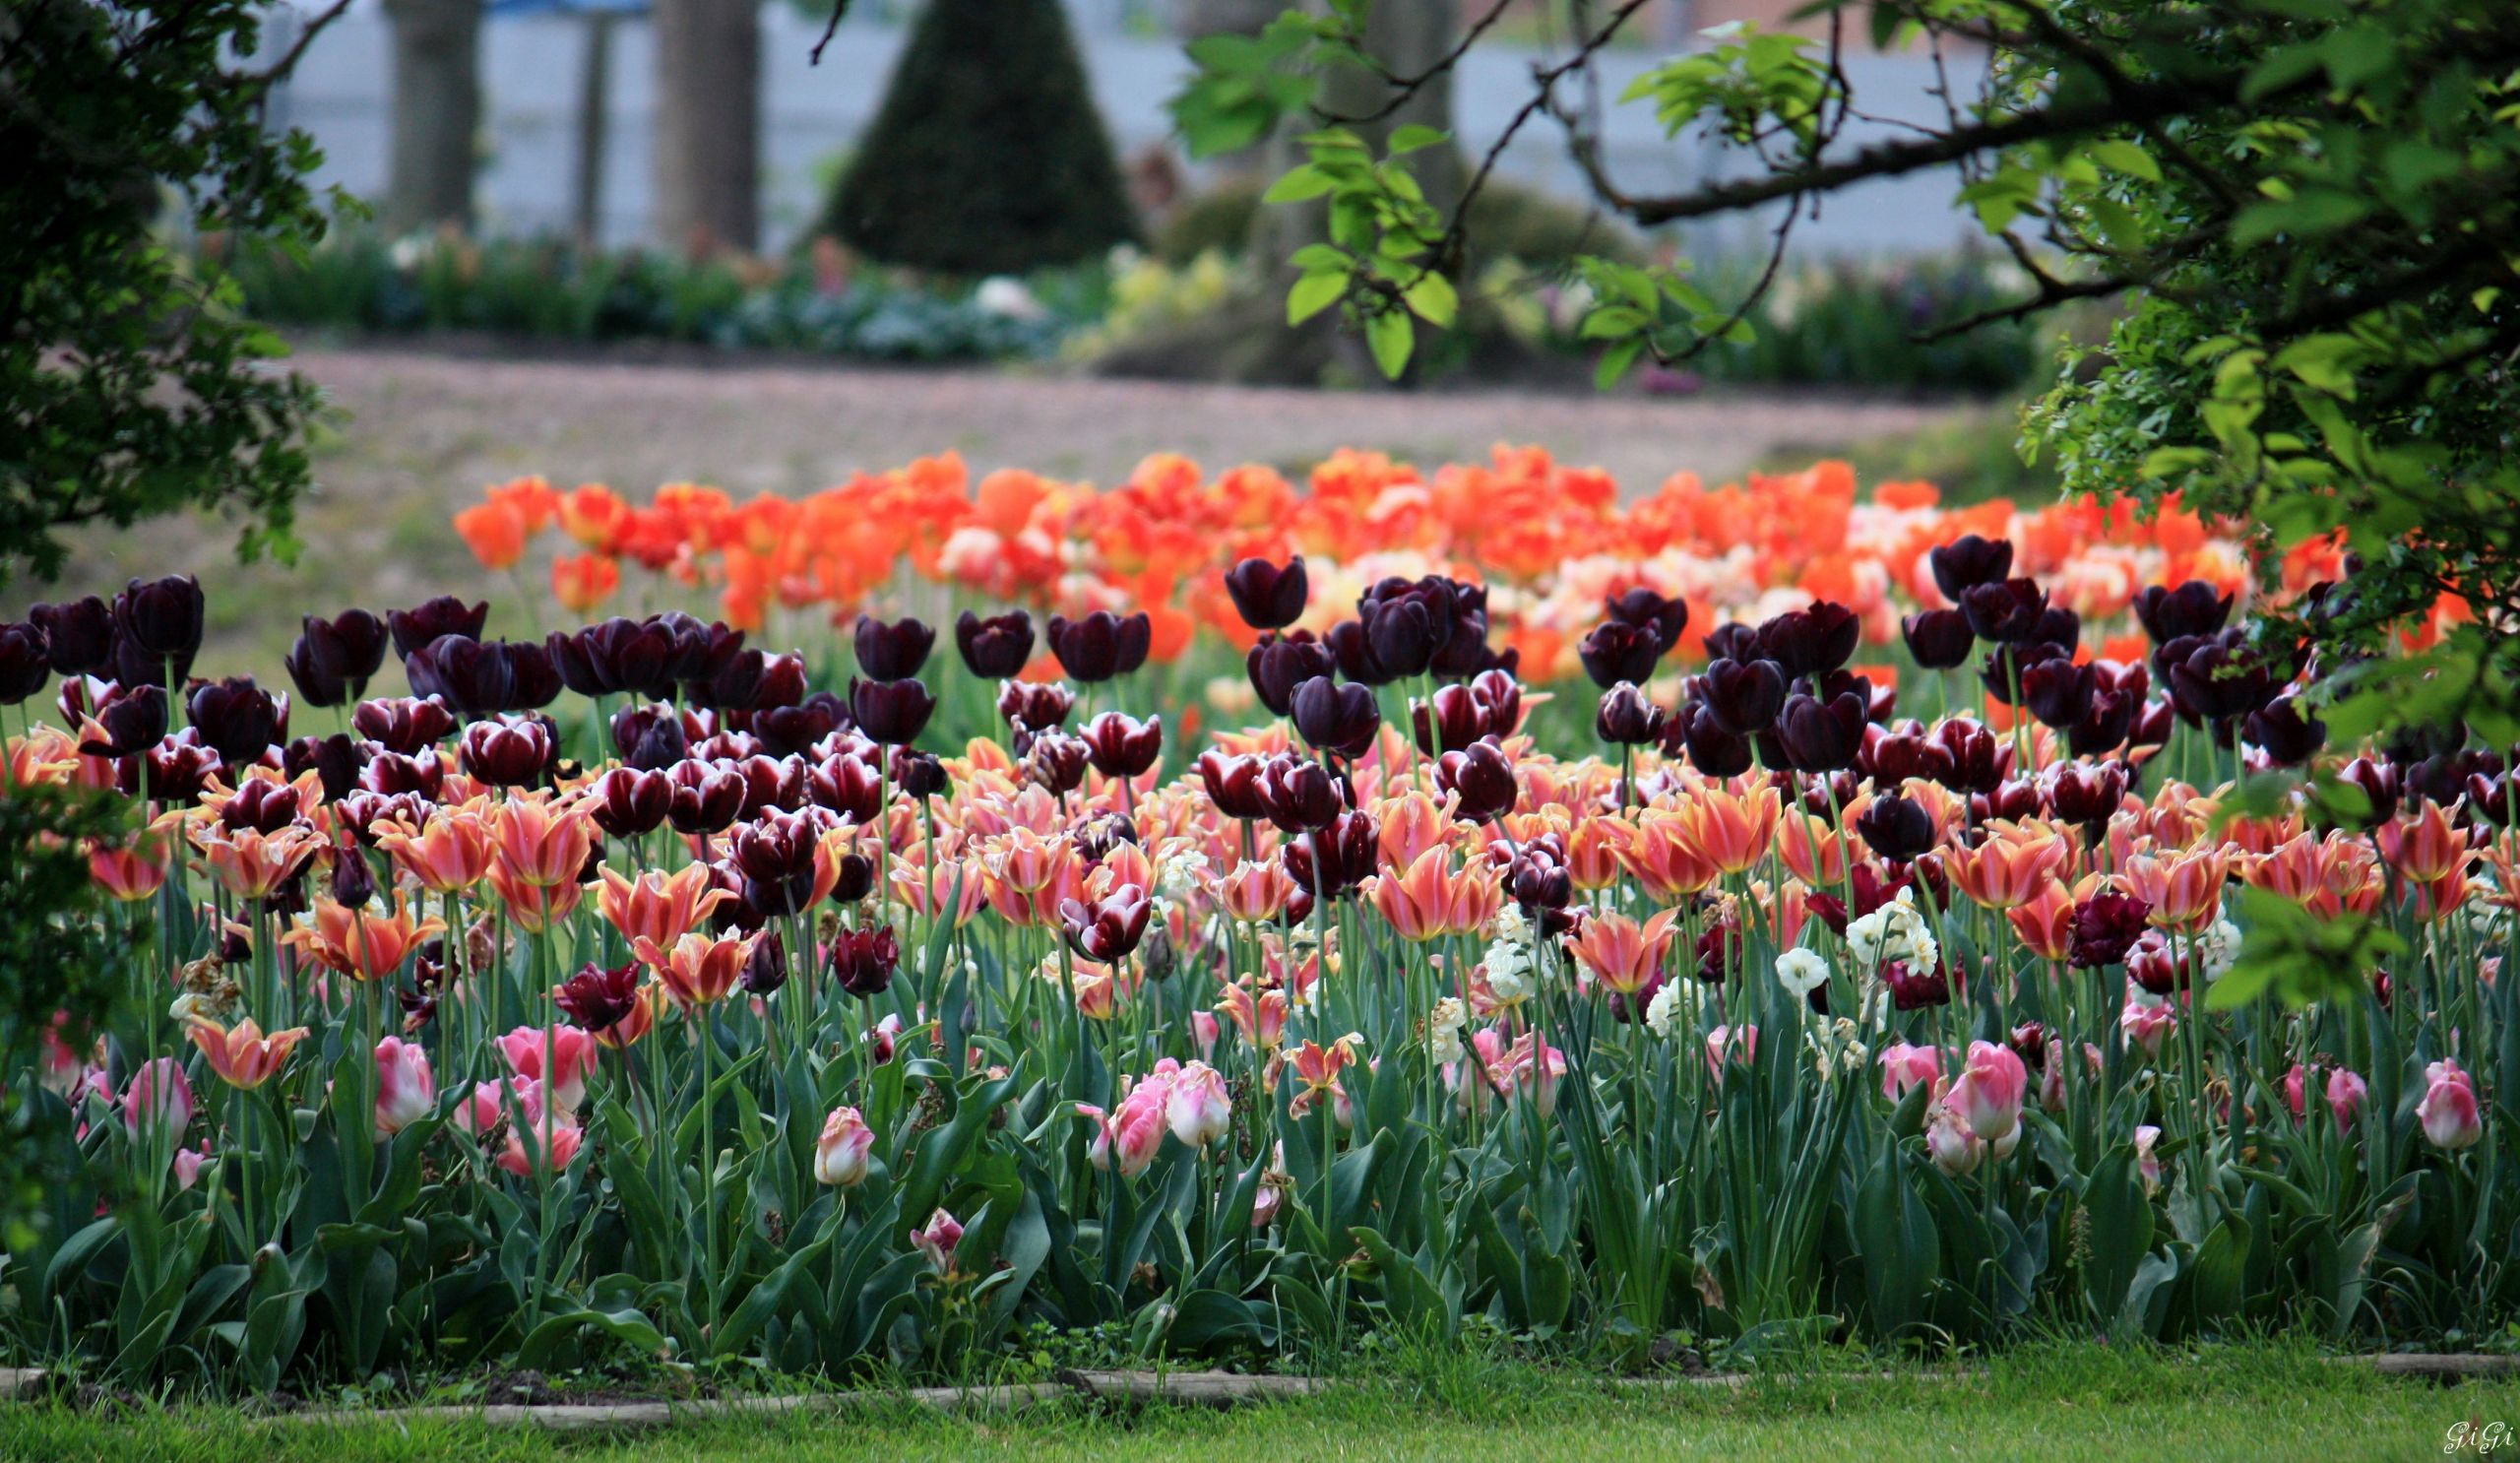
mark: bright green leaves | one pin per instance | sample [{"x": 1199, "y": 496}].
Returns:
[
  {"x": 1748, "y": 86},
  {"x": 1245, "y": 84},
  {"x": 2299, "y": 956},
  {"x": 1381, "y": 261}
]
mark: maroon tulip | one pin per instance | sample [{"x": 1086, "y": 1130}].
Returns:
[
  {"x": 1037, "y": 706},
  {"x": 1056, "y": 762},
  {"x": 1482, "y": 778},
  {"x": 1912, "y": 990},
  {"x": 1968, "y": 562},
  {"x": 787, "y": 730},
  {"x": 2088, "y": 794},
  {"x": 23, "y": 667},
  {"x": 1939, "y": 639},
  {"x": 2059, "y": 692},
  {"x": 891, "y": 712},
  {"x": 894, "y": 650},
  {"x": 1232, "y": 781},
  {"x": 1281, "y": 663},
  {"x": 2014, "y": 798},
  {"x": 132, "y": 719},
  {"x": 1979, "y": 758},
  {"x": 597, "y": 997},
  {"x": 446, "y": 614},
  {"x": 2105, "y": 726},
  {"x": 1099, "y": 645},
  {"x": 783, "y": 682},
  {"x": 863, "y": 959},
  {"x": 336, "y": 760},
  {"x": 1713, "y": 750},
  {"x": 1356, "y": 654},
  {"x": 262, "y": 806},
  {"x": 997, "y": 647},
  {"x": 630, "y": 802},
  {"x": 1331, "y": 716},
  {"x": 1267, "y": 595},
  {"x": 1648, "y": 610},
  {"x": 706, "y": 798},
  {"x": 78, "y": 635},
  {"x": 766, "y": 969},
  {"x": 509, "y": 751},
  {"x": 1298, "y": 795},
  {"x": 2193, "y": 608},
  {"x": 1744, "y": 698},
  {"x": 174, "y": 772},
  {"x": 395, "y": 775},
  {"x": 1895, "y": 828},
  {"x": 776, "y": 856},
  {"x": 1407, "y": 624},
  {"x": 1330, "y": 859},
  {"x": 2007, "y": 609},
  {"x": 1820, "y": 736},
  {"x": 2105, "y": 928},
  {"x": 1615, "y": 652},
  {"x": 1811, "y": 642},
  {"x": 921, "y": 775},
  {"x": 1121, "y": 746},
  {"x": 1108, "y": 928},
  {"x": 1626, "y": 717},
  {"x": 237, "y": 719},
  {"x": 402, "y": 724},
  {"x": 162, "y": 619}
]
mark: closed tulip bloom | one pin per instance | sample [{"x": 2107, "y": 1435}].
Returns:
[
  {"x": 1337, "y": 718},
  {"x": 129, "y": 872},
  {"x": 1895, "y": 828},
  {"x": 1813, "y": 641},
  {"x": 597, "y": 998},
  {"x": 1100, "y": 645},
  {"x": 159, "y": 1099},
  {"x": 241, "y": 1055},
  {"x": 508, "y": 751},
  {"x": 1482, "y": 778},
  {"x": 1954, "y": 1149},
  {"x": 1108, "y": 928},
  {"x": 1989, "y": 1090},
  {"x": 1281, "y": 664},
  {"x": 1742, "y": 698},
  {"x": 1267, "y": 595},
  {"x": 2193, "y": 608},
  {"x": 1818, "y": 736},
  {"x": 24, "y": 667},
  {"x": 892, "y": 713},
  {"x": 1199, "y": 1106},
  {"x": 1904, "y": 1066},
  {"x": 540, "y": 839},
  {"x": 1938, "y": 639},
  {"x": 994, "y": 647},
  {"x": 1122, "y": 746},
  {"x": 863, "y": 959},
  {"x": 2346, "y": 1093},
  {"x": 1642, "y": 607},
  {"x": 2448, "y": 1112},
  {"x": 406, "y": 1092},
  {"x": 162, "y": 619},
  {"x": 892, "y": 651},
  {"x": 78, "y": 635},
  {"x": 133, "y": 719},
  {"x": 1615, "y": 652},
  {"x": 1626, "y": 717},
  {"x": 1969, "y": 560},
  {"x": 844, "y": 1150}
]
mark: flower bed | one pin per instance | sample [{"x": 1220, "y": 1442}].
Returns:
[{"x": 635, "y": 990}]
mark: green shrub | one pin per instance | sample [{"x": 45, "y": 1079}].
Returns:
[
  {"x": 988, "y": 156},
  {"x": 1507, "y": 221}
]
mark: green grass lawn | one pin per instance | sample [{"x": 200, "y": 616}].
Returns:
[{"x": 2050, "y": 1406}]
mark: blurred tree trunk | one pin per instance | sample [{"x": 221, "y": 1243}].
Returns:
[
  {"x": 708, "y": 142},
  {"x": 595, "y": 127},
  {"x": 437, "y": 113}
]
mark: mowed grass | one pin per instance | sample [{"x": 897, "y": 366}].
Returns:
[{"x": 2052, "y": 1405}]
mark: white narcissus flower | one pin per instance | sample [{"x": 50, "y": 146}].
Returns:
[
  {"x": 1802, "y": 971},
  {"x": 1663, "y": 1010}
]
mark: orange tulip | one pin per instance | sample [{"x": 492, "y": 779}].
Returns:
[
  {"x": 697, "y": 970},
  {"x": 2045, "y": 920},
  {"x": 540, "y": 840},
  {"x": 657, "y": 907},
  {"x": 1657, "y": 851},
  {"x": 447, "y": 854},
  {"x": 1432, "y": 900},
  {"x": 360, "y": 942},
  {"x": 1408, "y": 826},
  {"x": 2424, "y": 847},
  {"x": 593, "y": 514},
  {"x": 581, "y": 582},
  {"x": 1815, "y": 851},
  {"x": 1262, "y": 1019},
  {"x": 535, "y": 907},
  {"x": 1731, "y": 830},
  {"x": 1256, "y": 892},
  {"x": 494, "y": 532},
  {"x": 129, "y": 872},
  {"x": 253, "y": 864},
  {"x": 1620, "y": 953},
  {"x": 2185, "y": 890},
  {"x": 2011, "y": 866},
  {"x": 242, "y": 1055}
]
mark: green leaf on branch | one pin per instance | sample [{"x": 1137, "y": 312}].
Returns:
[
  {"x": 2300, "y": 957},
  {"x": 1391, "y": 339}
]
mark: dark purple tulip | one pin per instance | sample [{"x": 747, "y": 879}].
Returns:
[
  {"x": 766, "y": 969},
  {"x": 614, "y": 656},
  {"x": 2379, "y": 784},
  {"x": 2088, "y": 794},
  {"x": 1890, "y": 758},
  {"x": 853, "y": 881},
  {"x": 597, "y": 997},
  {"x": 162, "y": 618},
  {"x": 1811, "y": 642},
  {"x": 920, "y": 775},
  {"x": 473, "y": 679},
  {"x": 1482, "y": 778},
  {"x": 1979, "y": 758},
  {"x": 1356, "y": 654},
  {"x": 1878, "y": 702},
  {"x": 1122, "y": 746},
  {"x": 508, "y": 752},
  {"x": 2059, "y": 692},
  {"x": 1648, "y": 610},
  {"x": 775, "y": 853},
  {"x": 1281, "y": 663},
  {"x": 344, "y": 651},
  {"x": 1233, "y": 783},
  {"x": 133, "y": 719},
  {"x": 1465, "y": 651},
  {"x": 1057, "y": 761},
  {"x": 1038, "y": 705},
  {"x": 354, "y": 882},
  {"x": 706, "y": 798},
  {"x": 735, "y": 683},
  {"x": 2220, "y": 679},
  {"x": 1744, "y": 698},
  {"x": 1821, "y": 736},
  {"x": 891, "y": 712},
  {"x": 1626, "y": 717},
  {"x": 402, "y": 724},
  {"x": 2106, "y": 724},
  {"x": 176, "y": 771},
  {"x": 1108, "y": 928},
  {"x": 1298, "y": 795},
  {"x": 997, "y": 647},
  {"x": 446, "y": 614},
  {"x": 2193, "y": 608},
  {"x": 2007, "y": 609},
  {"x": 707, "y": 656},
  {"x": 533, "y": 682},
  {"x": 1939, "y": 639},
  {"x": 24, "y": 667},
  {"x": 848, "y": 785},
  {"x": 1713, "y": 750},
  {"x": 1099, "y": 645},
  {"x": 237, "y": 719},
  {"x": 394, "y": 774},
  {"x": 788, "y": 731},
  {"x": 1895, "y": 828},
  {"x": 1331, "y": 859},
  {"x": 863, "y": 959},
  {"x": 1450, "y": 720},
  {"x": 1265, "y": 595},
  {"x": 892, "y": 651},
  {"x": 630, "y": 802},
  {"x": 2288, "y": 735},
  {"x": 1915, "y": 990},
  {"x": 2013, "y": 797},
  {"x": 78, "y": 635},
  {"x": 650, "y": 736},
  {"x": 2056, "y": 627},
  {"x": 1616, "y": 652},
  {"x": 1968, "y": 562},
  {"x": 1333, "y": 716},
  {"x": 1406, "y": 631},
  {"x": 772, "y": 783},
  {"x": 783, "y": 682},
  {"x": 263, "y": 806},
  {"x": 2106, "y": 926}
]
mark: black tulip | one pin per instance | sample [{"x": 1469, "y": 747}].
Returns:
[
  {"x": 1648, "y": 610},
  {"x": 1813, "y": 641},
  {"x": 2007, "y": 609},
  {"x": 891, "y": 712},
  {"x": 237, "y": 719},
  {"x": 919, "y": 775},
  {"x": 2059, "y": 692},
  {"x": 1336, "y": 717},
  {"x": 1821, "y": 736},
  {"x": 1896, "y": 829},
  {"x": 414, "y": 628},
  {"x": 1627, "y": 716},
  {"x": 1744, "y": 698},
  {"x": 1713, "y": 750},
  {"x": 162, "y": 618},
  {"x": 2104, "y": 724},
  {"x": 894, "y": 650},
  {"x": 1616, "y": 652},
  {"x": 1099, "y": 645},
  {"x": 2193, "y": 608},
  {"x": 1939, "y": 639},
  {"x": 1267, "y": 595},
  {"x": 78, "y": 635},
  {"x": 1122, "y": 746},
  {"x": 997, "y": 647},
  {"x": 23, "y": 667},
  {"x": 1356, "y": 654},
  {"x": 133, "y": 720},
  {"x": 1481, "y": 779},
  {"x": 1281, "y": 663},
  {"x": 2285, "y": 733},
  {"x": 1968, "y": 562}
]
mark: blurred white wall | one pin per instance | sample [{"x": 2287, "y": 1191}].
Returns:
[{"x": 532, "y": 64}]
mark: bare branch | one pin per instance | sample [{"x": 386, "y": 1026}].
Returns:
[{"x": 831, "y": 27}]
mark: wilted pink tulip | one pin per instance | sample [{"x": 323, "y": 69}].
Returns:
[
  {"x": 1904, "y": 1066},
  {"x": 937, "y": 1239},
  {"x": 841, "y": 1154},
  {"x": 573, "y": 1053},
  {"x": 159, "y": 1093},
  {"x": 1199, "y": 1109},
  {"x": 1134, "y": 1135},
  {"x": 1990, "y": 1091},
  {"x": 1948, "y": 1141},
  {"x": 188, "y": 1161},
  {"x": 2148, "y": 1163},
  {"x": 405, "y": 1090},
  {"x": 2145, "y": 1026},
  {"x": 2448, "y": 1110}
]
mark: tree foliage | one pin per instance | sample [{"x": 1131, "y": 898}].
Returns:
[
  {"x": 131, "y": 385},
  {"x": 2306, "y": 208}
]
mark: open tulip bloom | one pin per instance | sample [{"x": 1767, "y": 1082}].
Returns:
[{"x": 1285, "y": 912}]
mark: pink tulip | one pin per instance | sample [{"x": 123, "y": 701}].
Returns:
[
  {"x": 2448, "y": 1110},
  {"x": 1134, "y": 1135},
  {"x": 1948, "y": 1141},
  {"x": 938, "y": 1238},
  {"x": 404, "y": 1089},
  {"x": 157, "y": 1093},
  {"x": 62, "y": 1066},
  {"x": 2147, "y": 1026},
  {"x": 1741, "y": 1038},
  {"x": 2345, "y": 1092},
  {"x": 2147, "y": 1163},
  {"x": 1203, "y": 1032},
  {"x": 1990, "y": 1091},
  {"x": 553, "y": 1141},
  {"x": 188, "y": 1161},
  {"x": 573, "y": 1053},
  {"x": 1199, "y": 1109},
  {"x": 490, "y": 1103},
  {"x": 842, "y": 1152},
  {"x": 1904, "y": 1066},
  {"x": 1540, "y": 1076}
]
